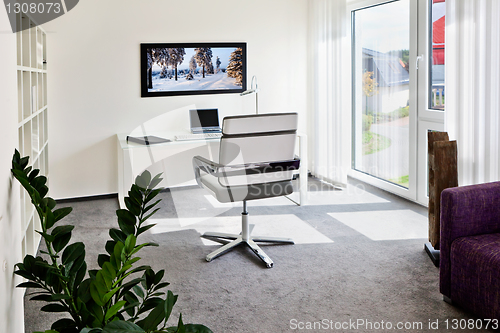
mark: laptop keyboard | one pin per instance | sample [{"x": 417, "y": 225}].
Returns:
[{"x": 197, "y": 136}]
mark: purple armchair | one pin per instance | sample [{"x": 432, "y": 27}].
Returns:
[{"x": 470, "y": 248}]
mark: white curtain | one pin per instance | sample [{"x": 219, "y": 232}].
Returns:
[
  {"x": 472, "y": 115},
  {"x": 330, "y": 120}
]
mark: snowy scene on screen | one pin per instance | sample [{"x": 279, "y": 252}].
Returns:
[{"x": 201, "y": 68}]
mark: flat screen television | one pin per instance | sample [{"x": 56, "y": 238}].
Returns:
[{"x": 172, "y": 69}]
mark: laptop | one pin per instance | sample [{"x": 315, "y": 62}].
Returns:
[{"x": 204, "y": 121}]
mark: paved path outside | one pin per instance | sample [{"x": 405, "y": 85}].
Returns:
[{"x": 392, "y": 162}]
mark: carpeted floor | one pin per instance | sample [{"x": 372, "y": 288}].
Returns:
[{"x": 358, "y": 264}]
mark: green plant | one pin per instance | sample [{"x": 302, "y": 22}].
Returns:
[
  {"x": 367, "y": 122},
  {"x": 113, "y": 299}
]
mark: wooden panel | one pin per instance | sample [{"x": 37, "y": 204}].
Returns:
[{"x": 442, "y": 174}]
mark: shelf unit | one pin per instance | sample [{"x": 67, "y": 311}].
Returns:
[{"x": 32, "y": 117}]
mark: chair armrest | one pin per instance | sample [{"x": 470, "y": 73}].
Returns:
[
  {"x": 202, "y": 164},
  {"x": 218, "y": 170},
  {"x": 466, "y": 211}
]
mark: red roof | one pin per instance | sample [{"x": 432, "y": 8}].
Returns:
[{"x": 438, "y": 41}]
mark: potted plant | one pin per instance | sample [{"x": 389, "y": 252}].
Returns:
[{"x": 120, "y": 297}]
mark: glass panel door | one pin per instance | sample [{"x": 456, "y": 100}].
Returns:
[
  {"x": 436, "y": 54},
  {"x": 381, "y": 92},
  {"x": 431, "y": 84}
]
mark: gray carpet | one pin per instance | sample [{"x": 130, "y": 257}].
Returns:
[{"x": 353, "y": 279}]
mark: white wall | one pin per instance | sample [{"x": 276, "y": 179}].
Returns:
[
  {"x": 94, "y": 74},
  {"x": 11, "y": 298}
]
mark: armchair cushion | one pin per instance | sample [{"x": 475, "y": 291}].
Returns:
[
  {"x": 469, "y": 270},
  {"x": 475, "y": 274}
]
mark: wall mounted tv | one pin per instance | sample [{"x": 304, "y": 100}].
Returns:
[{"x": 172, "y": 69}]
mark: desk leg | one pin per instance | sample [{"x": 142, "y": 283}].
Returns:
[
  {"x": 303, "y": 169},
  {"x": 303, "y": 194},
  {"x": 121, "y": 165}
]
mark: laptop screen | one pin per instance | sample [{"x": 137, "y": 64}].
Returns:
[{"x": 203, "y": 118}]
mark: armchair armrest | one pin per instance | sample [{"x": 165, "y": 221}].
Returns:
[
  {"x": 466, "y": 211},
  {"x": 203, "y": 164},
  {"x": 218, "y": 170}
]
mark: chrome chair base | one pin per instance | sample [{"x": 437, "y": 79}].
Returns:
[{"x": 244, "y": 238}]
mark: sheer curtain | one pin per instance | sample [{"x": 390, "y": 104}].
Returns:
[
  {"x": 472, "y": 114},
  {"x": 330, "y": 119}
]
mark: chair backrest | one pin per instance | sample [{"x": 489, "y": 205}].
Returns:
[{"x": 258, "y": 139}]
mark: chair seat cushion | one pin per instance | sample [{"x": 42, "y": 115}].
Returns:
[
  {"x": 245, "y": 192},
  {"x": 475, "y": 274}
]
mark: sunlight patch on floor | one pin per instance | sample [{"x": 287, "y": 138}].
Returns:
[
  {"x": 283, "y": 225},
  {"x": 350, "y": 195},
  {"x": 385, "y": 224},
  {"x": 277, "y": 201}
]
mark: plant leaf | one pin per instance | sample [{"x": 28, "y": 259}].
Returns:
[
  {"x": 110, "y": 294},
  {"x": 50, "y": 219},
  {"x": 138, "y": 290},
  {"x": 102, "y": 258},
  {"x": 25, "y": 274},
  {"x": 151, "y": 206},
  {"x": 155, "y": 317},
  {"x": 110, "y": 246},
  {"x": 62, "y": 236},
  {"x": 160, "y": 286},
  {"x": 144, "y": 229},
  {"x": 42, "y": 297},
  {"x": 152, "y": 195},
  {"x": 62, "y": 325},
  {"x": 150, "y": 214},
  {"x": 114, "y": 310},
  {"x": 158, "y": 276},
  {"x": 62, "y": 212},
  {"x": 89, "y": 330},
  {"x": 135, "y": 194},
  {"x": 180, "y": 326},
  {"x": 117, "y": 235},
  {"x": 54, "y": 308},
  {"x": 72, "y": 252},
  {"x": 109, "y": 271},
  {"x": 133, "y": 206},
  {"x": 96, "y": 293},
  {"x": 150, "y": 303},
  {"x": 58, "y": 297},
  {"x": 138, "y": 247},
  {"x": 63, "y": 229},
  {"x": 79, "y": 276},
  {"x": 29, "y": 285},
  {"x": 121, "y": 326},
  {"x": 126, "y": 217},
  {"x": 169, "y": 304},
  {"x": 127, "y": 286},
  {"x": 155, "y": 181},
  {"x": 38, "y": 182},
  {"x": 47, "y": 237},
  {"x": 196, "y": 328},
  {"x": 143, "y": 179},
  {"x": 130, "y": 243},
  {"x": 49, "y": 202},
  {"x": 32, "y": 174}
]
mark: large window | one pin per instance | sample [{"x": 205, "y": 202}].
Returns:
[
  {"x": 437, "y": 28},
  {"x": 381, "y": 86}
]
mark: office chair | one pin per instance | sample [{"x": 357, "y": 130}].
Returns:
[{"x": 256, "y": 161}]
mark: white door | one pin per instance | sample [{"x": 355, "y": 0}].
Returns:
[
  {"x": 393, "y": 99},
  {"x": 431, "y": 88}
]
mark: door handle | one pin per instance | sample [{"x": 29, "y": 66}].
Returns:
[{"x": 420, "y": 57}]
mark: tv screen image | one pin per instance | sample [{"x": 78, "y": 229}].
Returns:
[{"x": 169, "y": 69}]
